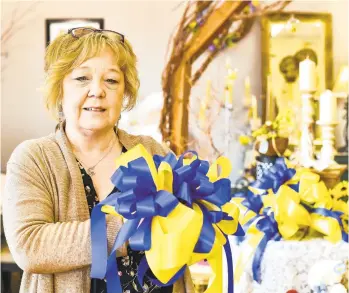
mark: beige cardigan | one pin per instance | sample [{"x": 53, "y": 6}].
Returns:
[{"x": 46, "y": 217}]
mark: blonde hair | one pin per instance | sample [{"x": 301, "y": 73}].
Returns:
[{"x": 66, "y": 52}]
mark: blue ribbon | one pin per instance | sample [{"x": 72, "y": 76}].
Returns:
[
  {"x": 268, "y": 225},
  {"x": 277, "y": 175},
  {"x": 251, "y": 201},
  {"x": 138, "y": 200},
  {"x": 229, "y": 257}
]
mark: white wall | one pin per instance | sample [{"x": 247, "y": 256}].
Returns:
[{"x": 148, "y": 25}]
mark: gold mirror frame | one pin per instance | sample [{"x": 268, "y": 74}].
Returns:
[{"x": 269, "y": 107}]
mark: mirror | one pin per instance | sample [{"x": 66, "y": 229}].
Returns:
[{"x": 287, "y": 39}]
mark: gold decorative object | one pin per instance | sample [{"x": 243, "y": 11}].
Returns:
[
  {"x": 331, "y": 176},
  {"x": 287, "y": 39}
]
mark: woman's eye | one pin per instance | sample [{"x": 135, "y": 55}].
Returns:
[
  {"x": 113, "y": 81},
  {"x": 81, "y": 78}
]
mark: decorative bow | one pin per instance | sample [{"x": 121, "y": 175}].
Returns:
[
  {"x": 177, "y": 211},
  {"x": 290, "y": 203}
]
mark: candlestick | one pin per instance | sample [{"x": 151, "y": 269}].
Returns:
[
  {"x": 328, "y": 150},
  {"x": 306, "y": 153},
  {"x": 205, "y": 103},
  {"x": 328, "y": 107},
  {"x": 307, "y": 75}
]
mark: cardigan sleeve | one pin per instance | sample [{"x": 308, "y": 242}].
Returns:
[{"x": 38, "y": 244}]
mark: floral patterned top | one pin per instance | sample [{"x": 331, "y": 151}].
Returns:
[{"x": 128, "y": 265}]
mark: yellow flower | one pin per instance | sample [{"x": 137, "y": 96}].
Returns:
[
  {"x": 193, "y": 24},
  {"x": 244, "y": 139}
]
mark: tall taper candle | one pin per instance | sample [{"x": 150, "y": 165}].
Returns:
[
  {"x": 247, "y": 91},
  {"x": 204, "y": 104},
  {"x": 228, "y": 91}
]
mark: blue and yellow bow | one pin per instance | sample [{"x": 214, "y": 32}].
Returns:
[
  {"x": 291, "y": 201},
  {"x": 176, "y": 210}
]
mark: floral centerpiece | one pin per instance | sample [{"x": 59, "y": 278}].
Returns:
[{"x": 272, "y": 138}]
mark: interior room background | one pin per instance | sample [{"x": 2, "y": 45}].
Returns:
[{"x": 148, "y": 25}]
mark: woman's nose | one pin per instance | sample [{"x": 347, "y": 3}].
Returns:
[{"x": 96, "y": 89}]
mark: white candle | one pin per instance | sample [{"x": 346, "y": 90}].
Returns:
[
  {"x": 254, "y": 108},
  {"x": 328, "y": 107},
  {"x": 307, "y": 75},
  {"x": 247, "y": 91},
  {"x": 228, "y": 92}
]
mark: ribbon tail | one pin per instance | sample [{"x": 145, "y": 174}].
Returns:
[
  {"x": 229, "y": 257},
  {"x": 113, "y": 279},
  {"x": 99, "y": 243},
  {"x": 257, "y": 259}
]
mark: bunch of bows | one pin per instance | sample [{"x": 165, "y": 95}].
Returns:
[
  {"x": 282, "y": 205},
  {"x": 176, "y": 210}
]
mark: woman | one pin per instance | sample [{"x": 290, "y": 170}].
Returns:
[{"x": 53, "y": 182}]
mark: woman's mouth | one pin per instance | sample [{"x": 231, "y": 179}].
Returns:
[{"x": 94, "y": 109}]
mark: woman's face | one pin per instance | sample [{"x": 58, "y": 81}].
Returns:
[{"x": 93, "y": 93}]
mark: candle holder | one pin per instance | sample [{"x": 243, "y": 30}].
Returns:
[
  {"x": 306, "y": 155},
  {"x": 328, "y": 151}
]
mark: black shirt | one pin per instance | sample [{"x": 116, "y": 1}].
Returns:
[{"x": 127, "y": 265}]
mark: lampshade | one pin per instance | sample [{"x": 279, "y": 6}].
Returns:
[{"x": 341, "y": 85}]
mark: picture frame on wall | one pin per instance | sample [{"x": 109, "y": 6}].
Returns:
[{"x": 55, "y": 26}]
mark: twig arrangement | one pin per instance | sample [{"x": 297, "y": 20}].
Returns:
[
  {"x": 196, "y": 13},
  {"x": 16, "y": 23}
]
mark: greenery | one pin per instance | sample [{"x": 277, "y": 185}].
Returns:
[{"x": 279, "y": 127}]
